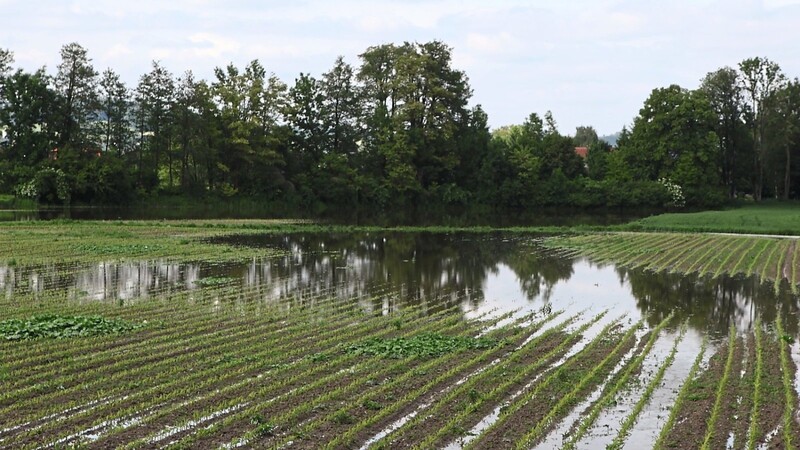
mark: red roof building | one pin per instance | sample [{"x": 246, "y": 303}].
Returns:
[{"x": 582, "y": 151}]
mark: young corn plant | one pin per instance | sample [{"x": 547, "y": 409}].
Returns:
[
  {"x": 723, "y": 384},
  {"x": 629, "y": 422}
]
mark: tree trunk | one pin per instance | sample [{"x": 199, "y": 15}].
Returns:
[{"x": 787, "y": 177}]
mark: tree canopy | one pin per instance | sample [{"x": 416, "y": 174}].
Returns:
[{"x": 397, "y": 129}]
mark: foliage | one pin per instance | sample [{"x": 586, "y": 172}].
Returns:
[
  {"x": 55, "y": 326},
  {"x": 49, "y": 185},
  {"x": 395, "y": 130},
  {"x": 675, "y": 192},
  {"x": 426, "y": 345},
  {"x": 673, "y": 138},
  {"x": 760, "y": 78}
]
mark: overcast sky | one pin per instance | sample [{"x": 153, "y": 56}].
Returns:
[{"x": 591, "y": 62}]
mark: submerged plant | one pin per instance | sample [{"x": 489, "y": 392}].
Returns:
[{"x": 215, "y": 281}]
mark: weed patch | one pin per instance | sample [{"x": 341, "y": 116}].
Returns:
[
  {"x": 425, "y": 345},
  {"x": 60, "y": 327}
]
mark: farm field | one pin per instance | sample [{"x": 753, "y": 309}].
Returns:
[
  {"x": 175, "y": 335},
  {"x": 776, "y": 260}
]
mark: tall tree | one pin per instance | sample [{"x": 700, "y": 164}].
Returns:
[
  {"x": 252, "y": 139},
  {"x": 304, "y": 114},
  {"x": 197, "y": 135},
  {"x": 155, "y": 99},
  {"x": 6, "y": 60},
  {"x": 340, "y": 170},
  {"x": 597, "y": 159},
  {"x": 187, "y": 116},
  {"x": 782, "y": 136},
  {"x": 417, "y": 103},
  {"x": 114, "y": 108},
  {"x": 388, "y": 161},
  {"x": 760, "y": 79},
  {"x": 724, "y": 92},
  {"x": 673, "y": 137},
  {"x": 341, "y": 107},
  {"x": 585, "y": 136},
  {"x": 28, "y": 116},
  {"x": 473, "y": 151},
  {"x": 76, "y": 83}
]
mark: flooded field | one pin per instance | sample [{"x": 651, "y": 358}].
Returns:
[{"x": 398, "y": 339}]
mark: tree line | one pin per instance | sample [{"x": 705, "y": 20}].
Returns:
[{"x": 396, "y": 130}]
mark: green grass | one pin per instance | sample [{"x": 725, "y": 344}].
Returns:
[{"x": 765, "y": 218}]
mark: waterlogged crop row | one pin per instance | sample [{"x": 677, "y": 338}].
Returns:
[
  {"x": 288, "y": 379},
  {"x": 461, "y": 407},
  {"x": 47, "y": 243},
  {"x": 746, "y": 404},
  {"x": 773, "y": 259},
  {"x": 318, "y": 371},
  {"x": 196, "y": 331},
  {"x": 161, "y": 377},
  {"x": 228, "y": 365}
]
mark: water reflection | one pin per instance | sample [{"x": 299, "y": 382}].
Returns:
[{"x": 478, "y": 272}]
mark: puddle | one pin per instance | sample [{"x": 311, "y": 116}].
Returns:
[
  {"x": 655, "y": 414},
  {"x": 558, "y": 436}
]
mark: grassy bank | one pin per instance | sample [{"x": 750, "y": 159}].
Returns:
[{"x": 764, "y": 218}]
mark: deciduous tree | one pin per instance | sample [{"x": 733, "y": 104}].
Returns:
[{"x": 760, "y": 78}]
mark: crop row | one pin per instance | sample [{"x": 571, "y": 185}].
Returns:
[
  {"x": 288, "y": 380},
  {"x": 43, "y": 243},
  {"x": 772, "y": 259},
  {"x": 219, "y": 354},
  {"x": 748, "y": 381}
]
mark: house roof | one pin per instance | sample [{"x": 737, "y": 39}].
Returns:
[{"x": 582, "y": 151}]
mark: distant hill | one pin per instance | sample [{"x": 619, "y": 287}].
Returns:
[{"x": 611, "y": 138}]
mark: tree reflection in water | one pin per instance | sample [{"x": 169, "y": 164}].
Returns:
[{"x": 476, "y": 271}]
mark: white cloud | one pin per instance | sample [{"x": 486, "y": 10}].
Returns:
[
  {"x": 118, "y": 51},
  {"x": 776, "y": 4},
  {"x": 123, "y": 9},
  {"x": 590, "y": 61},
  {"x": 213, "y": 45},
  {"x": 160, "y": 53},
  {"x": 493, "y": 43}
]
